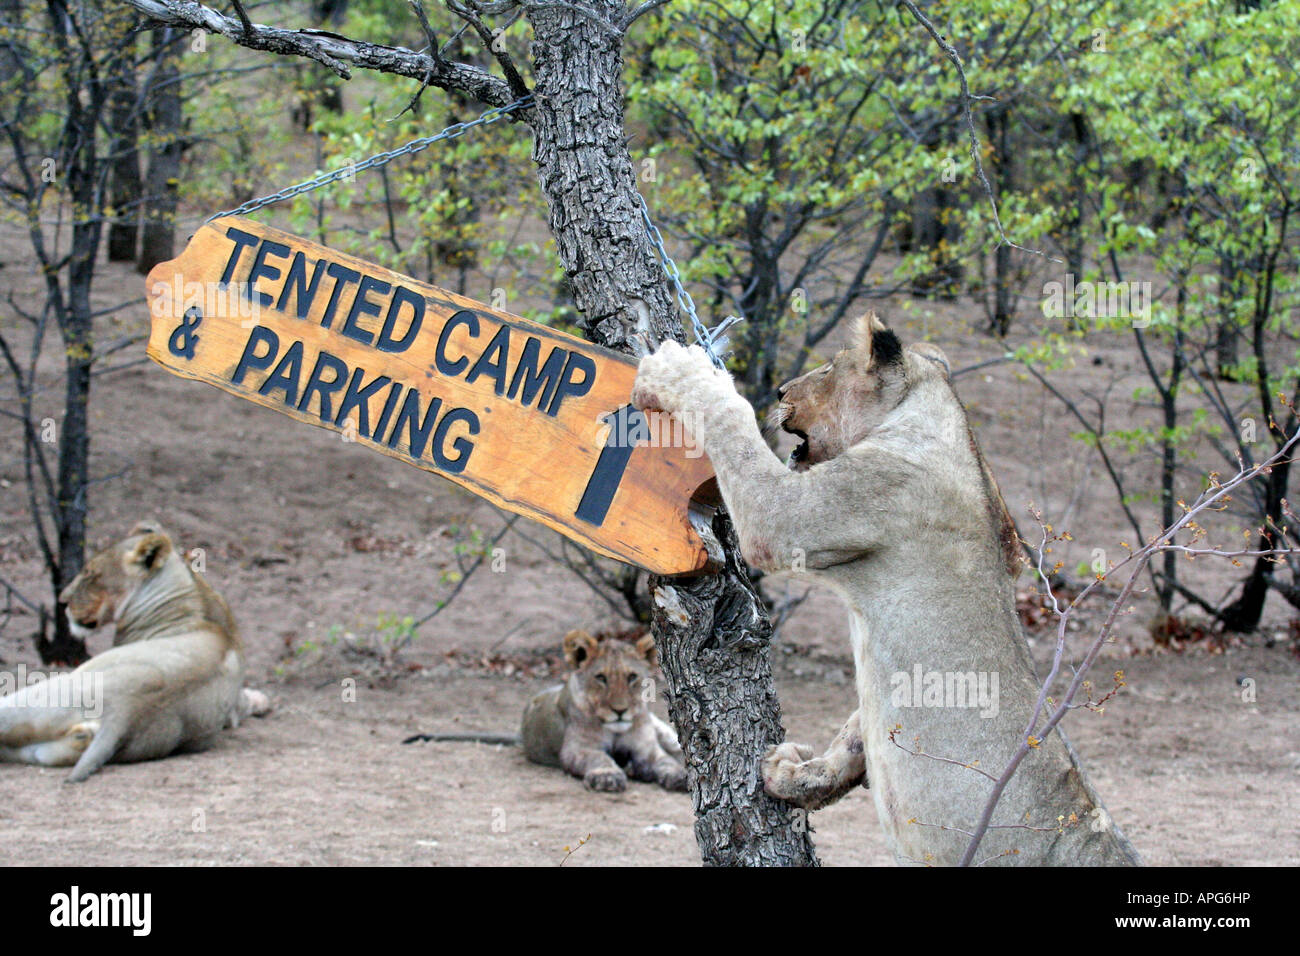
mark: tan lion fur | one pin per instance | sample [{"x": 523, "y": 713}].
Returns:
[
  {"x": 893, "y": 507},
  {"x": 171, "y": 682},
  {"x": 597, "y": 725}
]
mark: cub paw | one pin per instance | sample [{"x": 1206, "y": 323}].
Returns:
[
  {"x": 673, "y": 777},
  {"x": 789, "y": 773},
  {"x": 606, "y": 780}
]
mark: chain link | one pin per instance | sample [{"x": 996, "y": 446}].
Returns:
[
  {"x": 712, "y": 341},
  {"x": 380, "y": 159}
]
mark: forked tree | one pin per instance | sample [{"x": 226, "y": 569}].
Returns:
[{"x": 712, "y": 631}]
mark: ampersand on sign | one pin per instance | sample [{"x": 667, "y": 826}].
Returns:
[{"x": 185, "y": 336}]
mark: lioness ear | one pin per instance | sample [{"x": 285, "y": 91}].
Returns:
[
  {"x": 151, "y": 551},
  {"x": 877, "y": 344},
  {"x": 578, "y": 647},
  {"x": 147, "y": 526},
  {"x": 932, "y": 353},
  {"x": 645, "y": 646}
]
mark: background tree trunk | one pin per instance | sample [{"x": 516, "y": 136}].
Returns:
[
  {"x": 712, "y": 631},
  {"x": 124, "y": 121},
  {"x": 163, "y": 117}
]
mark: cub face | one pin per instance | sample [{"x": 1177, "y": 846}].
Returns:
[
  {"x": 607, "y": 676},
  {"x": 835, "y": 406},
  {"x": 111, "y": 577}
]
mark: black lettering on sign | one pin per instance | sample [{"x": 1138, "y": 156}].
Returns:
[
  {"x": 261, "y": 269},
  {"x": 569, "y": 384},
  {"x": 628, "y": 426},
  {"x": 318, "y": 385},
  {"x": 363, "y": 306},
  {"x": 296, "y": 281},
  {"x": 499, "y": 350},
  {"x": 242, "y": 240},
  {"x": 445, "y": 366},
  {"x": 462, "y": 445},
  {"x": 389, "y": 404},
  {"x": 260, "y": 335},
  {"x": 403, "y": 296},
  {"x": 417, "y": 431},
  {"x": 343, "y": 277},
  {"x": 359, "y": 398},
  {"x": 531, "y": 378},
  {"x": 286, "y": 375}
]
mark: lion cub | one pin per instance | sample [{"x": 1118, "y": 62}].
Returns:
[
  {"x": 172, "y": 681},
  {"x": 596, "y": 725}
]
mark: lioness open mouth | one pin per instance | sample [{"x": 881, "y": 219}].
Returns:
[{"x": 799, "y": 457}]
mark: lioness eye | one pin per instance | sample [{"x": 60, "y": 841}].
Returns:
[
  {"x": 601, "y": 678},
  {"x": 632, "y": 678}
]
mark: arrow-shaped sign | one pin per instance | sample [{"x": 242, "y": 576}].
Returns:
[{"x": 534, "y": 420}]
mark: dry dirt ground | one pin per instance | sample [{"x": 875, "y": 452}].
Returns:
[{"x": 309, "y": 537}]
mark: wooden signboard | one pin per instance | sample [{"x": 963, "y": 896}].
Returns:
[{"x": 535, "y": 421}]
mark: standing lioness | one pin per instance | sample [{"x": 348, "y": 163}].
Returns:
[
  {"x": 172, "y": 681},
  {"x": 891, "y": 504}
]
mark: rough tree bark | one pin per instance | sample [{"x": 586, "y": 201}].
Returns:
[{"x": 712, "y": 630}]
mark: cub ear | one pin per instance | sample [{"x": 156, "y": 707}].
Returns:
[
  {"x": 148, "y": 526},
  {"x": 151, "y": 551},
  {"x": 579, "y": 646},
  {"x": 645, "y": 646}
]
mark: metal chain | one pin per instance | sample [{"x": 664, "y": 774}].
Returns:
[
  {"x": 347, "y": 172},
  {"x": 712, "y": 341}
]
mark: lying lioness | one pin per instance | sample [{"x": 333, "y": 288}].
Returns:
[
  {"x": 890, "y": 503},
  {"x": 171, "y": 682}
]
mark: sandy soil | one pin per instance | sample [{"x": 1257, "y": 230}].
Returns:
[{"x": 308, "y": 537}]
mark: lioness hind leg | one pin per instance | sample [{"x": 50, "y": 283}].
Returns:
[
  {"x": 791, "y": 773},
  {"x": 62, "y": 751},
  {"x": 108, "y": 740}
]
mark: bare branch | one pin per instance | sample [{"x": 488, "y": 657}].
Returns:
[
  {"x": 637, "y": 12},
  {"x": 334, "y": 51},
  {"x": 966, "y": 96},
  {"x": 1213, "y": 498}
]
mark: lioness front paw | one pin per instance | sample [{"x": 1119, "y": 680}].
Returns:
[
  {"x": 666, "y": 379},
  {"x": 253, "y": 703},
  {"x": 792, "y": 774},
  {"x": 606, "y": 780}
]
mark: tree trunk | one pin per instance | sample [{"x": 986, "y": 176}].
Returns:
[
  {"x": 935, "y": 230},
  {"x": 11, "y": 57},
  {"x": 162, "y": 183},
  {"x": 712, "y": 631},
  {"x": 75, "y": 325},
  {"x": 124, "y": 121},
  {"x": 1243, "y": 614},
  {"x": 1003, "y": 306}
]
